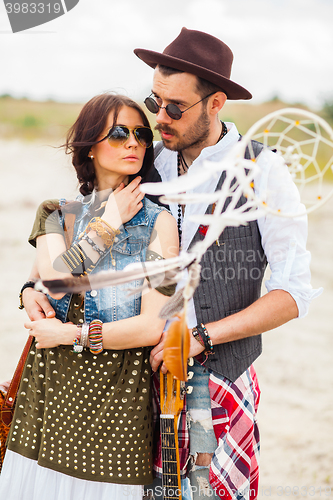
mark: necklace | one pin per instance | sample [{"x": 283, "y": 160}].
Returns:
[
  {"x": 180, "y": 159},
  {"x": 182, "y": 168},
  {"x": 224, "y": 132}
]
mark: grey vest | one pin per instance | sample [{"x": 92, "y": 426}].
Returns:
[
  {"x": 230, "y": 281},
  {"x": 231, "y": 277}
]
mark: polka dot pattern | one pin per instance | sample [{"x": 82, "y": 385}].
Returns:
[{"x": 86, "y": 415}]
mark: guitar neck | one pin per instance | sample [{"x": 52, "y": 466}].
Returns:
[{"x": 170, "y": 453}]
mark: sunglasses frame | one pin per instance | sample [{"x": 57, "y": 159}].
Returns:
[
  {"x": 167, "y": 107},
  {"x": 133, "y": 130}
]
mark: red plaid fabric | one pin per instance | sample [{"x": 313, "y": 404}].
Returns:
[{"x": 234, "y": 471}]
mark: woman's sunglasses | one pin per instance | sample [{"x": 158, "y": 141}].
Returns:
[
  {"x": 119, "y": 135},
  {"x": 171, "y": 110}
]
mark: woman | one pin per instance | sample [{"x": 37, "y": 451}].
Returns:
[{"x": 82, "y": 424}]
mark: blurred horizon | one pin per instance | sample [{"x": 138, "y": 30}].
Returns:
[{"x": 31, "y": 120}]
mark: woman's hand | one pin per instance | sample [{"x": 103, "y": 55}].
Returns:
[
  {"x": 123, "y": 203},
  {"x": 51, "y": 332}
]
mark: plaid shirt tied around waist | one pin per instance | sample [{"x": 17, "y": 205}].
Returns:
[{"x": 234, "y": 470}]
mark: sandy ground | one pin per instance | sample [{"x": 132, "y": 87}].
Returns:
[{"x": 295, "y": 370}]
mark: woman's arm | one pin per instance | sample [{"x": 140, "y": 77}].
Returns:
[
  {"x": 142, "y": 330},
  {"x": 52, "y": 256}
]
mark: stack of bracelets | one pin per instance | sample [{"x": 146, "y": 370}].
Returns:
[
  {"x": 75, "y": 257},
  {"x": 200, "y": 333},
  {"x": 89, "y": 335},
  {"x": 104, "y": 231}
]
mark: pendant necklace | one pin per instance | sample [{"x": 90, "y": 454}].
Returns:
[{"x": 182, "y": 168}]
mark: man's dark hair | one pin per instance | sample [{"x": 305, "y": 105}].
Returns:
[{"x": 204, "y": 87}]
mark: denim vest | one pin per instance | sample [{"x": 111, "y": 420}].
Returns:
[{"x": 113, "y": 303}]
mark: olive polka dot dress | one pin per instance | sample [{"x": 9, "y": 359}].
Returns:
[{"x": 86, "y": 415}]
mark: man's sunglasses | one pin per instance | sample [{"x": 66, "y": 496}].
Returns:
[
  {"x": 171, "y": 110},
  {"x": 119, "y": 135}
]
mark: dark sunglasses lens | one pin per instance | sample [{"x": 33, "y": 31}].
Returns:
[
  {"x": 144, "y": 136},
  {"x": 173, "y": 111},
  {"x": 118, "y": 136},
  {"x": 151, "y": 105}
]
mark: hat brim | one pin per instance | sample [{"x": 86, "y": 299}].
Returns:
[{"x": 231, "y": 89}]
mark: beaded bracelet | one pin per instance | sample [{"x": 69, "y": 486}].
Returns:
[
  {"x": 81, "y": 339},
  {"x": 93, "y": 245},
  {"x": 95, "y": 336},
  {"x": 27, "y": 284},
  {"x": 202, "y": 331},
  {"x": 77, "y": 347}
]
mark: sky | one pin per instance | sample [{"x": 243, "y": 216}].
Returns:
[{"x": 281, "y": 47}]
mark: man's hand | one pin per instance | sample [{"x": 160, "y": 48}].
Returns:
[
  {"x": 37, "y": 305},
  {"x": 156, "y": 355}
]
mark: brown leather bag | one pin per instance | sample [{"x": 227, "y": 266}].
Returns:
[{"x": 8, "y": 400}]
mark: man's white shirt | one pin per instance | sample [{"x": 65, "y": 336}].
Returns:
[{"x": 283, "y": 239}]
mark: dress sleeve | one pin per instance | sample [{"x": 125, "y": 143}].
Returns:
[
  {"x": 46, "y": 221},
  {"x": 164, "y": 290}
]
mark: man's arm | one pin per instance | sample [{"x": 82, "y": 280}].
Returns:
[
  {"x": 268, "y": 312},
  {"x": 36, "y": 303}
]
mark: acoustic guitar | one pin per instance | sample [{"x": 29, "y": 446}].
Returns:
[
  {"x": 172, "y": 399},
  {"x": 172, "y": 391}
]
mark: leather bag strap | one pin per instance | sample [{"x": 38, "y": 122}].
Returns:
[{"x": 8, "y": 405}]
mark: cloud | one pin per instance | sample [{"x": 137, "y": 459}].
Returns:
[{"x": 280, "y": 47}]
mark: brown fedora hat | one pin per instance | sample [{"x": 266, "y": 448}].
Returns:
[{"x": 202, "y": 55}]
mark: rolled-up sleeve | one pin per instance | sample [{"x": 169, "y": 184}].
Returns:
[{"x": 284, "y": 238}]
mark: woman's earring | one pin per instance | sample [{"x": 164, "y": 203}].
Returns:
[{"x": 92, "y": 157}]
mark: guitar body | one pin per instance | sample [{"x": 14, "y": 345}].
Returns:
[{"x": 171, "y": 395}]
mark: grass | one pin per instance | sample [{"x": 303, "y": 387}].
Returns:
[
  {"x": 49, "y": 121},
  {"x": 33, "y": 120}
]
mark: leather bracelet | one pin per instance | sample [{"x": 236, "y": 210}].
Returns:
[
  {"x": 197, "y": 336},
  {"x": 202, "y": 331},
  {"x": 77, "y": 261},
  {"x": 27, "y": 284}
]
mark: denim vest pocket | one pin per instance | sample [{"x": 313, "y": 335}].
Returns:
[{"x": 128, "y": 246}]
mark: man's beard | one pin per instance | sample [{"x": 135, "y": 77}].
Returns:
[{"x": 195, "y": 135}]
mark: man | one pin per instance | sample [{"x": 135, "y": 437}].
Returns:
[
  {"x": 193, "y": 73},
  {"x": 190, "y": 86}
]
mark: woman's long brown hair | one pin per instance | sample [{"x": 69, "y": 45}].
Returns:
[{"x": 87, "y": 130}]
